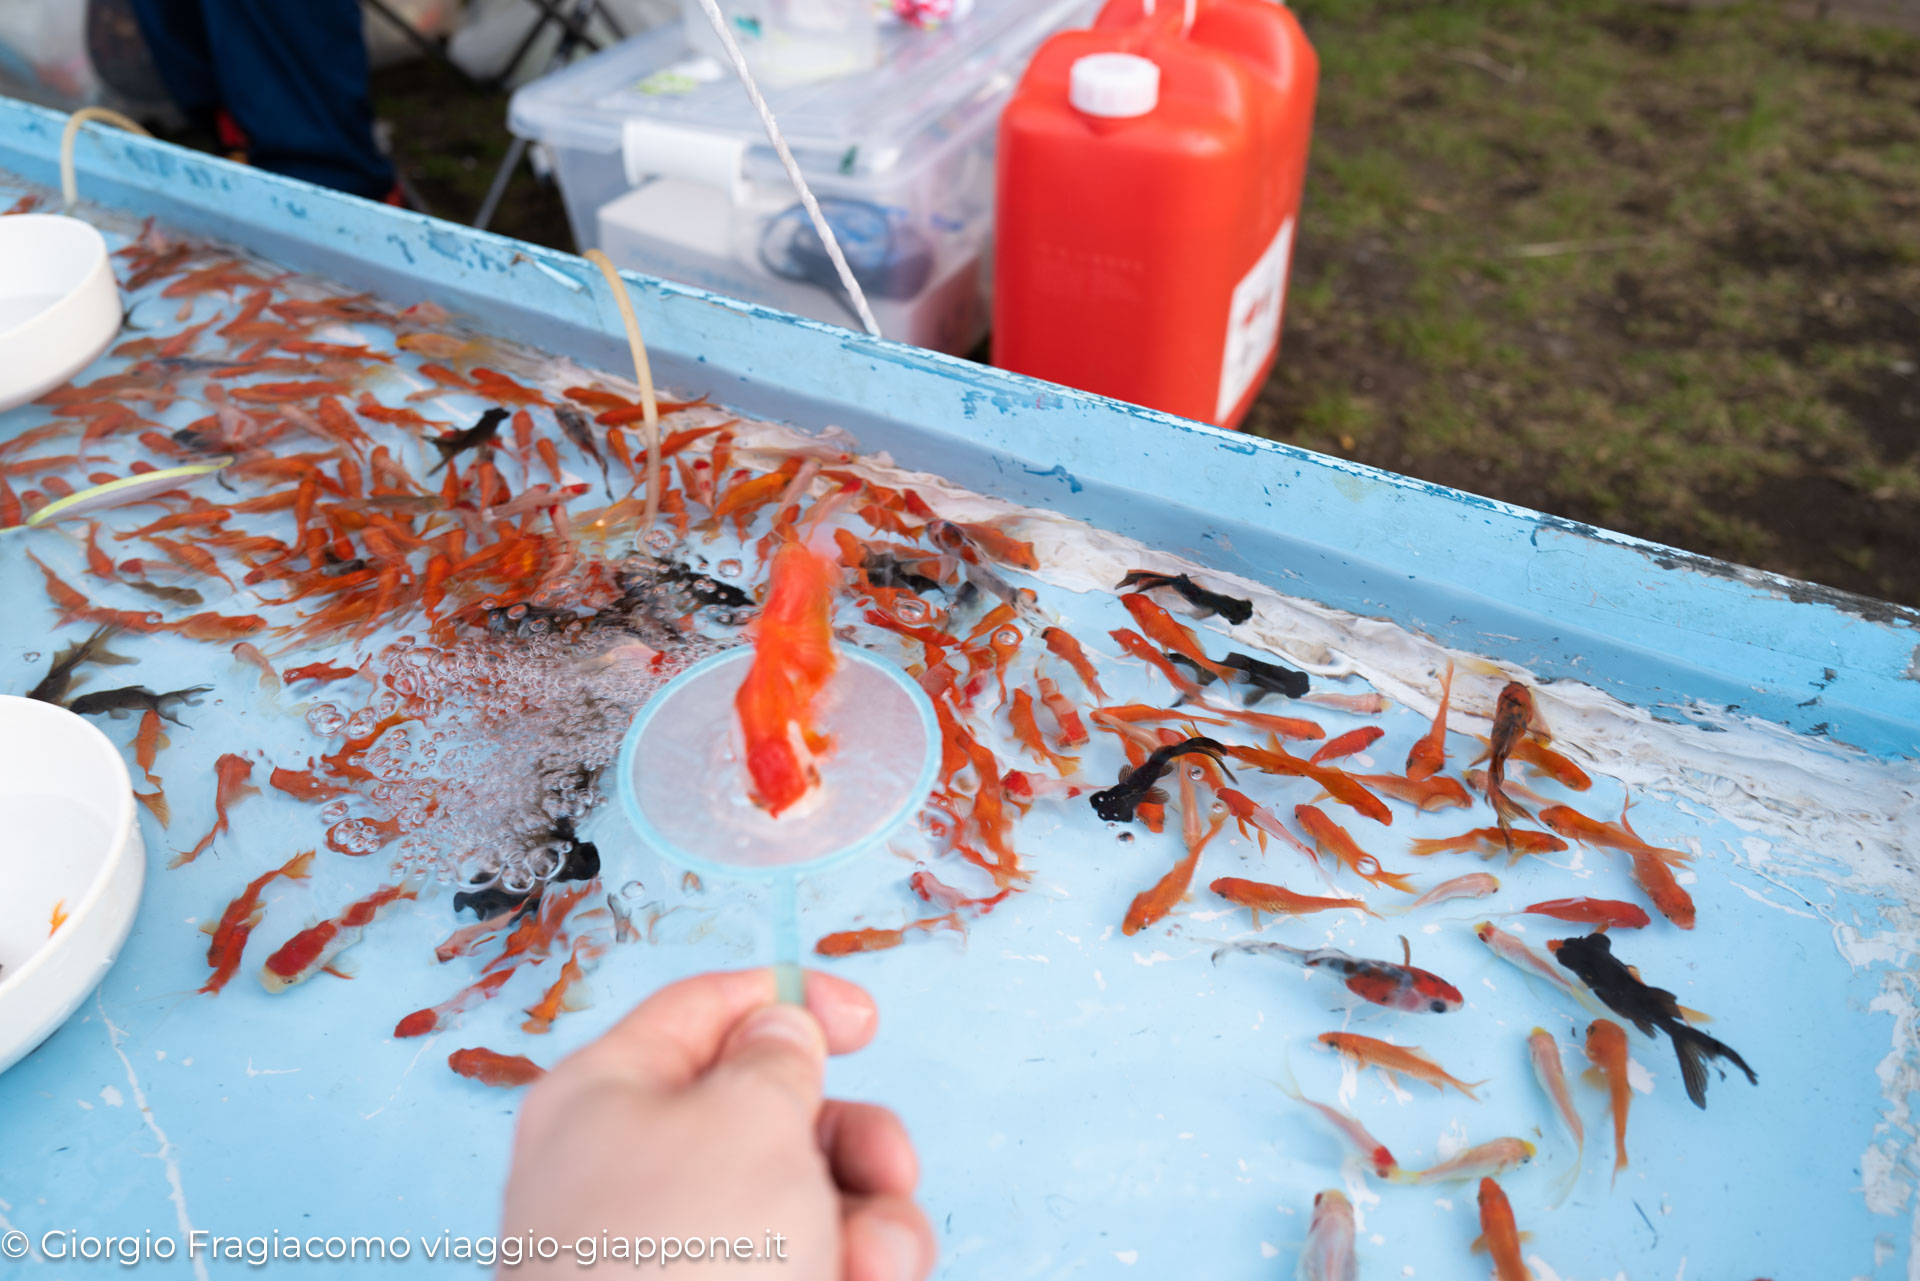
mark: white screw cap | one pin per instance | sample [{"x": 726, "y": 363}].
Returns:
[{"x": 1115, "y": 85}]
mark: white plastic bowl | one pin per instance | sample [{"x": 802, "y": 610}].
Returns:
[
  {"x": 59, "y": 305},
  {"x": 66, "y": 807}
]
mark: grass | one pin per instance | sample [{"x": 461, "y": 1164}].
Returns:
[{"x": 1652, "y": 267}]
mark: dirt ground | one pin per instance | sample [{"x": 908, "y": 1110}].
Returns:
[{"x": 1652, "y": 267}]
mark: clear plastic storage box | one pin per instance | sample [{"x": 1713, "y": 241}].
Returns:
[{"x": 665, "y": 166}]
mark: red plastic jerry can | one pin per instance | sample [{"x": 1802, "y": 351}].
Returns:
[{"x": 1150, "y": 172}]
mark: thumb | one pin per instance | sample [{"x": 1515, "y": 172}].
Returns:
[{"x": 779, "y": 1047}]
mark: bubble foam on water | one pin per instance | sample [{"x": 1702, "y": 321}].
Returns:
[{"x": 508, "y": 733}]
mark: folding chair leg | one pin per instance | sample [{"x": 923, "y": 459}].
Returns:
[{"x": 498, "y": 187}]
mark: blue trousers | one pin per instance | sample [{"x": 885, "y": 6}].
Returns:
[{"x": 292, "y": 73}]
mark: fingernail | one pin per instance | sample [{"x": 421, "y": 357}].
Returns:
[
  {"x": 900, "y": 1244},
  {"x": 788, "y": 1023}
]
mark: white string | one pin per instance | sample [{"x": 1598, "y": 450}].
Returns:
[
  {"x": 819, "y": 220},
  {"x": 1187, "y": 27}
]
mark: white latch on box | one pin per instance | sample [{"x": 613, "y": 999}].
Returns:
[{"x": 654, "y": 149}]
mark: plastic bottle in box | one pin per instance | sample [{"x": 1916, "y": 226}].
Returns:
[{"x": 1149, "y": 182}]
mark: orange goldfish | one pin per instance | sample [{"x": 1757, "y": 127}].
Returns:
[
  {"x": 793, "y": 660},
  {"x": 1607, "y": 1048},
  {"x": 1490, "y": 841},
  {"x": 1574, "y": 825},
  {"x": 1513, "y": 714},
  {"x": 1136, "y": 645},
  {"x": 1063, "y": 646},
  {"x": 237, "y": 922},
  {"x": 1171, "y": 634},
  {"x": 1426, "y": 757},
  {"x": 1000, "y": 546},
  {"x": 1283, "y": 726},
  {"x": 1396, "y": 1061},
  {"x": 1551, "y": 763},
  {"x": 848, "y": 942},
  {"x": 1435, "y": 792},
  {"x": 1332, "y": 839},
  {"x": 492, "y": 1068},
  {"x": 302, "y": 785},
  {"x": 231, "y": 773},
  {"x": 1278, "y": 900},
  {"x": 147, "y": 743},
  {"x": 322, "y": 672},
  {"x": 1599, "y": 912},
  {"x": 1150, "y": 905},
  {"x": 1354, "y": 740},
  {"x": 1342, "y": 787},
  {"x": 1027, "y": 730},
  {"x": 1653, "y": 875},
  {"x": 565, "y": 994},
  {"x": 538, "y": 929},
  {"x": 57, "y": 918},
  {"x": 217, "y": 627},
  {"x": 1477, "y": 781},
  {"x": 1499, "y": 1236}
]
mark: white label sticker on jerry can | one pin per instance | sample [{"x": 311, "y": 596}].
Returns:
[{"x": 1253, "y": 324}]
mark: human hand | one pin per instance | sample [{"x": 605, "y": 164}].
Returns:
[{"x": 700, "y": 1116}]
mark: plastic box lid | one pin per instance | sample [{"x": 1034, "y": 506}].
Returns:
[{"x": 862, "y": 125}]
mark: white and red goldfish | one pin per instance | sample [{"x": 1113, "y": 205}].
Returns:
[
  {"x": 1527, "y": 961},
  {"x": 1329, "y": 1253},
  {"x": 314, "y": 948},
  {"x": 1371, "y": 1150}
]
